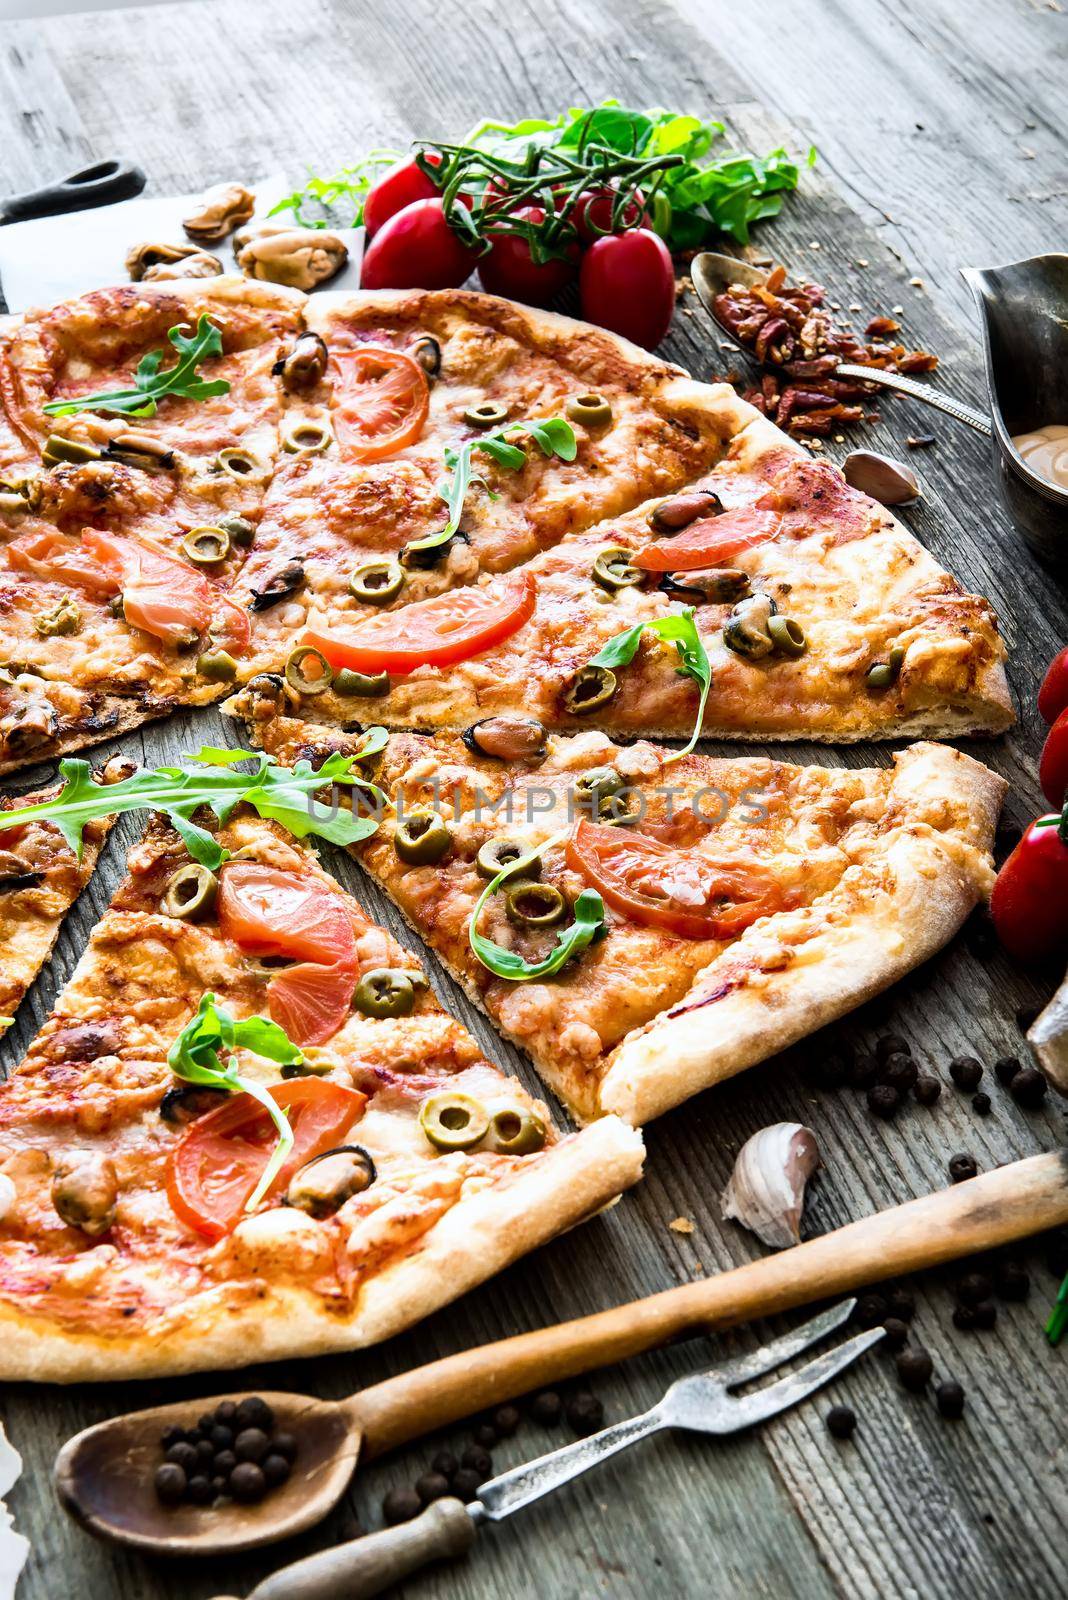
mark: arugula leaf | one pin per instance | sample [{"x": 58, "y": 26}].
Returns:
[
  {"x": 571, "y": 941},
  {"x": 554, "y": 437},
  {"x": 680, "y": 629},
  {"x": 152, "y": 382},
  {"x": 350, "y": 185},
  {"x": 1057, "y": 1325},
  {"x": 285, "y": 794},
  {"x": 195, "y": 1057}
]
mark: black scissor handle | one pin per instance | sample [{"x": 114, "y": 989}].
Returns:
[{"x": 93, "y": 186}]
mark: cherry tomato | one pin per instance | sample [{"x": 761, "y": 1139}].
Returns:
[
  {"x": 49, "y": 554},
  {"x": 416, "y": 249},
  {"x": 401, "y": 186},
  {"x": 218, "y": 1161},
  {"x": 161, "y": 596},
  {"x": 710, "y": 541},
  {"x": 509, "y": 268},
  {"x": 592, "y": 212},
  {"x": 381, "y": 399},
  {"x": 683, "y": 891},
  {"x": 1053, "y": 695},
  {"x": 1030, "y": 900},
  {"x": 627, "y": 284},
  {"x": 267, "y": 911},
  {"x": 1053, "y": 766},
  {"x": 431, "y": 633}
]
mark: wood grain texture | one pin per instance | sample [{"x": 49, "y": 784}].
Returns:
[{"x": 941, "y": 141}]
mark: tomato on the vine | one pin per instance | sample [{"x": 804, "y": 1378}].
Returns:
[
  {"x": 627, "y": 284},
  {"x": 417, "y": 249},
  {"x": 591, "y": 213},
  {"x": 1053, "y": 695},
  {"x": 508, "y": 267},
  {"x": 1029, "y": 904},
  {"x": 399, "y": 187}
]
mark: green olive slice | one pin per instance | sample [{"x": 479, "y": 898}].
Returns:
[
  {"x": 308, "y": 671},
  {"x": 614, "y": 570},
  {"x": 487, "y": 414},
  {"x": 303, "y": 437},
  {"x": 884, "y": 673},
  {"x": 206, "y": 546},
  {"x": 787, "y": 635},
  {"x": 190, "y": 892},
  {"x": 241, "y": 465},
  {"x": 422, "y": 838},
  {"x": 453, "y": 1121},
  {"x": 496, "y": 854},
  {"x": 348, "y": 681},
  {"x": 516, "y": 1132},
  {"x": 598, "y": 784},
  {"x": 590, "y": 688},
  {"x": 534, "y": 905},
  {"x": 384, "y": 992},
  {"x": 376, "y": 583},
  {"x": 218, "y": 666},
  {"x": 591, "y": 409},
  {"x": 58, "y": 448},
  {"x": 241, "y": 530}
]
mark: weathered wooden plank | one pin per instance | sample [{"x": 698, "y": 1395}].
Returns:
[{"x": 906, "y": 1508}]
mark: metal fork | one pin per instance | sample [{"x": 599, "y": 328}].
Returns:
[{"x": 703, "y": 1402}]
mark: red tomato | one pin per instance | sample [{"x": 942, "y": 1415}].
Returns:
[
  {"x": 627, "y": 284},
  {"x": 432, "y": 633},
  {"x": 1030, "y": 900},
  {"x": 218, "y": 1161},
  {"x": 1053, "y": 695},
  {"x": 710, "y": 541},
  {"x": 416, "y": 249},
  {"x": 161, "y": 596},
  {"x": 510, "y": 270},
  {"x": 592, "y": 212},
  {"x": 267, "y": 911},
  {"x": 401, "y": 186},
  {"x": 231, "y": 629},
  {"x": 1053, "y": 767},
  {"x": 684, "y": 891},
  {"x": 49, "y": 554},
  {"x": 381, "y": 399}
]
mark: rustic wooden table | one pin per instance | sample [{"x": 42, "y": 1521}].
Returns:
[{"x": 940, "y": 134}]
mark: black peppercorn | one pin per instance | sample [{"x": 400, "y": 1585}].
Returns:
[
  {"x": 171, "y": 1483},
  {"x": 883, "y": 1101},
  {"x": 986, "y": 1314},
  {"x": 901, "y": 1304},
  {"x": 225, "y": 1412},
  {"x": 465, "y": 1484},
  {"x": 221, "y": 1437},
  {"x": 965, "y": 1072},
  {"x": 1057, "y": 1252},
  {"x": 506, "y": 1421},
  {"x": 400, "y": 1505},
  {"x": 205, "y": 1452},
  {"x": 972, "y": 1288},
  {"x": 251, "y": 1444},
  {"x": 253, "y": 1413},
  {"x": 900, "y": 1072},
  {"x": 865, "y": 1071},
  {"x": 247, "y": 1483},
  {"x": 981, "y": 1104},
  {"x": 171, "y": 1436},
  {"x": 964, "y": 1318},
  {"x": 199, "y": 1490},
  {"x": 224, "y": 1463},
  {"x": 547, "y": 1407},
  {"x": 206, "y": 1423},
  {"x": 870, "y": 1310},
  {"x": 962, "y": 1167},
  {"x": 485, "y": 1435},
  {"x": 891, "y": 1044},
  {"x": 927, "y": 1089},
  {"x": 1005, "y": 1069},
  {"x": 1012, "y": 1280},
  {"x": 445, "y": 1463},
  {"x": 897, "y": 1334},
  {"x": 949, "y": 1397},
  {"x": 431, "y": 1486},
  {"x": 914, "y": 1368},
  {"x": 1025, "y": 1016},
  {"x": 841, "y": 1422},
  {"x": 284, "y": 1444},
  {"x": 585, "y": 1414},
  {"x": 184, "y": 1455},
  {"x": 475, "y": 1459},
  {"x": 276, "y": 1469},
  {"x": 1028, "y": 1088},
  {"x": 218, "y": 1484}
]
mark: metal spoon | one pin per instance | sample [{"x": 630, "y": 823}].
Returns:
[
  {"x": 104, "y": 1476},
  {"x": 713, "y": 273}
]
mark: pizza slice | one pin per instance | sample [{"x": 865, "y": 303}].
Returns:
[
  {"x": 644, "y": 925},
  {"x": 248, "y": 1130}
]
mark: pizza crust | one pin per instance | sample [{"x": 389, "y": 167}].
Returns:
[
  {"x": 899, "y": 908},
  {"x": 228, "y": 1327}
]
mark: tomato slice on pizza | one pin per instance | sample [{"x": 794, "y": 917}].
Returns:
[
  {"x": 711, "y": 541},
  {"x": 381, "y": 400}
]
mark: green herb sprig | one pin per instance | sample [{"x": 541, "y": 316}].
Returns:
[
  {"x": 1057, "y": 1326},
  {"x": 152, "y": 381},
  {"x": 554, "y": 437},
  {"x": 680, "y": 629},
  {"x": 283, "y": 794},
  {"x": 345, "y": 191},
  {"x": 570, "y": 942},
  {"x": 203, "y": 1053}
]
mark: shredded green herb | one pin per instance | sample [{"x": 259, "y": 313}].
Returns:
[
  {"x": 346, "y": 192},
  {"x": 153, "y": 382},
  {"x": 680, "y": 629}
]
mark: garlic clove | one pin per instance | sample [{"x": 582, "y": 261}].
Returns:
[
  {"x": 766, "y": 1191},
  {"x": 890, "y": 482}
]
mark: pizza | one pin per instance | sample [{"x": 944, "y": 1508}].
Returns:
[
  {"x": 132, "y": 1239},
  {"x": 421, "y": 504},
  {"x": 744, "y": 902}
]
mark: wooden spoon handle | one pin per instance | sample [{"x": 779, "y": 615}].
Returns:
[{"x": 1022, "y": 1198}]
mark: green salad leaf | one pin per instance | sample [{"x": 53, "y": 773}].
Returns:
[
  {"x": 284, "y": 794},
  {"x": 570, "y": 941},
  {"x": 203, "y": 1053},
  {"x": 680, "y": 629},
  {"x": 152, "y": 381}
]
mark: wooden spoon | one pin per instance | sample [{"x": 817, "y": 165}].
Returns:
[{"x": 104, "y": 1476}]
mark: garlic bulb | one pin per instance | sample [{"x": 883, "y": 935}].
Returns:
[{"x": 766, "y": 1191}]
